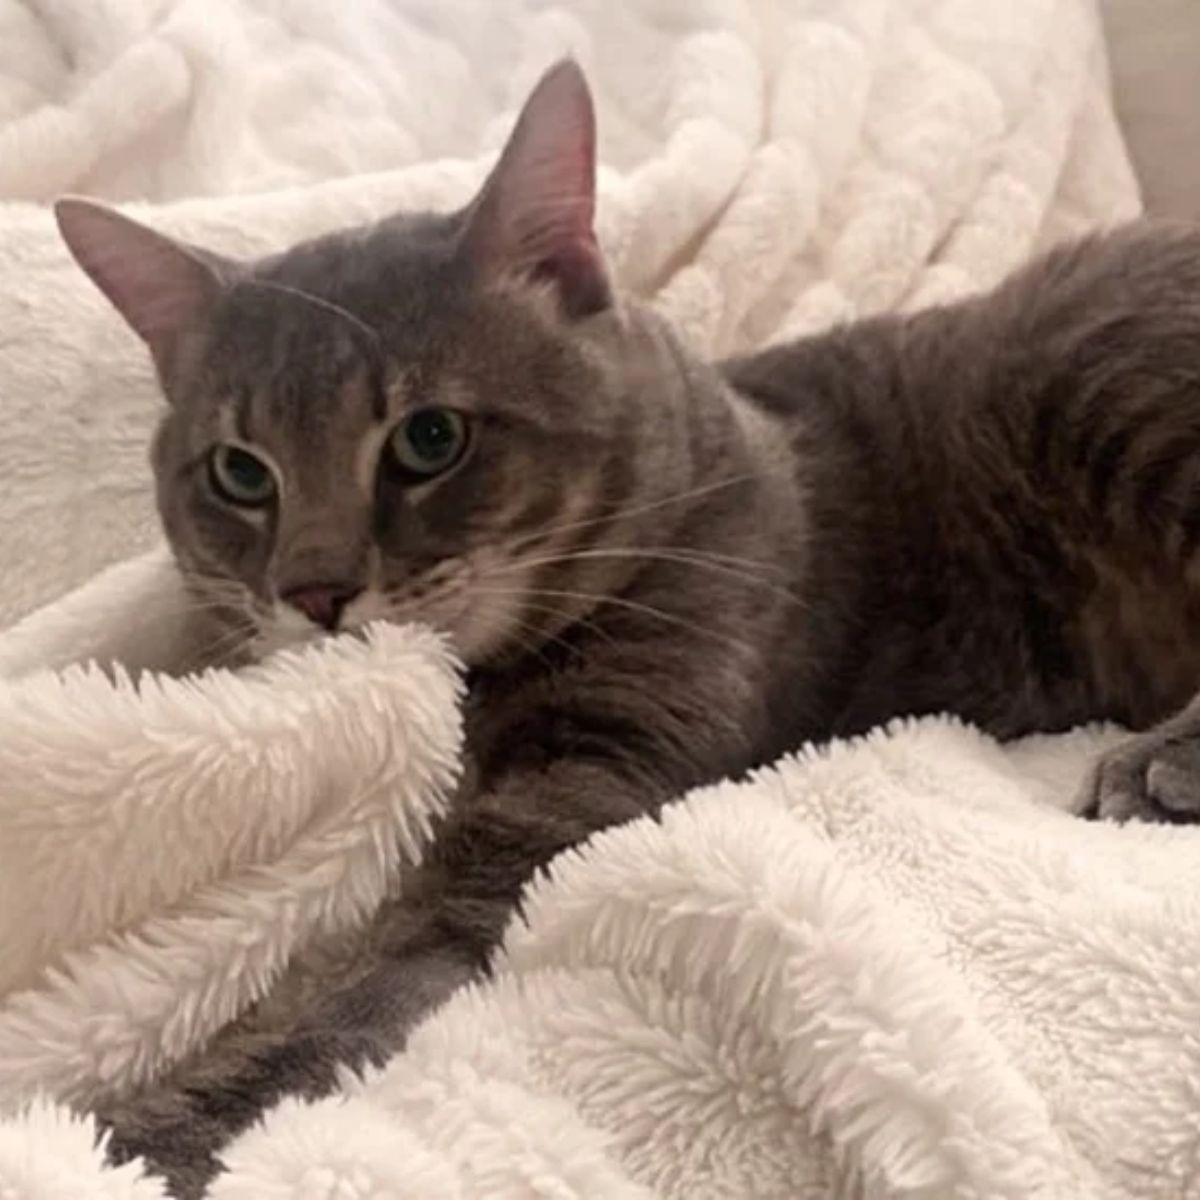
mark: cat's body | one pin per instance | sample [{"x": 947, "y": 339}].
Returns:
[
  {"x": 661, "y": 572},
  {"x": 1003, "y": 497}
]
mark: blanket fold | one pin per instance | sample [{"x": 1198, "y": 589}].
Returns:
[
  {"x": 167, "y": 845},
  {"x": 889, "y": 966}
]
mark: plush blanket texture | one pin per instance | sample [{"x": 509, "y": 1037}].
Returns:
[{"x": 892, "y": 968}]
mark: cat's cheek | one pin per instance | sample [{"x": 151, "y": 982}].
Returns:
[
  {"x": 482, "y": 629},
  {"x": 226, "y": 544},
  {"x": 245, "y": 542},
  {"x": 285, "y": 630}
]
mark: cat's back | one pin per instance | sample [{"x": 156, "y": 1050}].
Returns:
[
  {"x": 1006, "y": 491},
  {"x": 1088, "y": 304}
]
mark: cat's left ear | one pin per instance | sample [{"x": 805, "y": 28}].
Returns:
[
  {"x": 534, "y": 216},
  {"x": 164, "y": 289}
]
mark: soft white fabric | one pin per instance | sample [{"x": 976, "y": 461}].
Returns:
[
  {"x": 768, "y": 168},
  {"x": 879, "y": 968},
  {"x": 166, "y": 845},
  {"x": 882, "y": 966},
  {"x": 890, "y": 965}
]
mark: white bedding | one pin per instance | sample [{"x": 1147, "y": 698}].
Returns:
[{"x": 882, "y": 971}]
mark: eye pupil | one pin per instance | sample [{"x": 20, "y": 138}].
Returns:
[
  {"x": 429, "y": 442},
  {"x": 244, "y": 470},
  {"x": 431, "y": 435}
]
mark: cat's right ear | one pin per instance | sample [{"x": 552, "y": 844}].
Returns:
[{"x": 161, "y": 287}]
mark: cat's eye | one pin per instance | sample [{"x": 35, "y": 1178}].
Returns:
[
  {"x": 429, "y": 442},
  {"x": 240, "y": 477}
]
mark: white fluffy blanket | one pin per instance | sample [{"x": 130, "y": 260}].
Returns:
[{"x": 882, "y": 969}]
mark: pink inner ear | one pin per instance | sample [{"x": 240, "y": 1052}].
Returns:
[
  {"x": 535, "y": 214},
  {"x": 580, "y": 276},
  {"x": 158, "y": 286}
]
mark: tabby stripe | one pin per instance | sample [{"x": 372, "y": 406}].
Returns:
[
  {"x": 1160, "y": 478},
  {"x": 1189, "y": 524},
  {"x": 1105, "y": 465}
]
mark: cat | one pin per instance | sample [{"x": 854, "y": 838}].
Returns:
[{"x": 659, "y": 571}]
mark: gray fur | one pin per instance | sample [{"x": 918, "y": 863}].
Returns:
[{"x": 991, "y": 509}]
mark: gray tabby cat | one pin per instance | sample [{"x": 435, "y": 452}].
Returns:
[{"x": 659, "y": 571}]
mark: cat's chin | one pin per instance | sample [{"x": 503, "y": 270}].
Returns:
[{"x": 266, "y": 644}]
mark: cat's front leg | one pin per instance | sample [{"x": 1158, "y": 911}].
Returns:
[
  {"x": 1152, "y": 776},
  {"x": 346, "y": 1016}
]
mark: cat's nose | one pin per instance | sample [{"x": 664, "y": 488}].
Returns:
[{"x": 322, "y": 603}]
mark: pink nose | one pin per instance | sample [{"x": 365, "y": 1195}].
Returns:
[{"x": 322, "y": 603}]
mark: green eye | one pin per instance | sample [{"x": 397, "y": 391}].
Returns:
[
  {"x": 429, "y": 441},
  {"x": 240, "y": 477}
]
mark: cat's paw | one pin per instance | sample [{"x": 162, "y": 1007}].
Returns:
[{"x": 1152, "y": 777}]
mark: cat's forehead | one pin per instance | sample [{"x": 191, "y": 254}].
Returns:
[
  {"x": 334, "y": 332},
  {"x": 336, "y": 337},
  {"x": 396, "y": 276},
  {"x": 321, "y": 405}
]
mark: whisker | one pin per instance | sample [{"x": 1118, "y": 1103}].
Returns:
[
  {"x": 563, "y": 614},
  {"x": 401, "y": 612},
  {"x": 634, "y": 606},
  {"x": 528, "y": 644},
  {"x": 214, "y": 593},
  {"x": 221, "y": 591},
  {"x": 697, "y": 559},
  {"x": 619, "y": 513},
  {"x": 173, "y": 612},
  {"x": 165, "y": 615},
  {"x": 219, "y": 650},
  {"x": 688, "y": 553},
  {"x": 207, "y": 579},
  {"x": 231, "y": 593},
  {"x": 736, "y": 560}
]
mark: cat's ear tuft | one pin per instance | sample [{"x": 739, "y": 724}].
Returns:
[
  {"x": 162, "y": 288},
  {"x": 534, "y": 216}
]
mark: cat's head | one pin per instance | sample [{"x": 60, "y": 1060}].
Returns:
[{"x": 444, "y": 418}]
